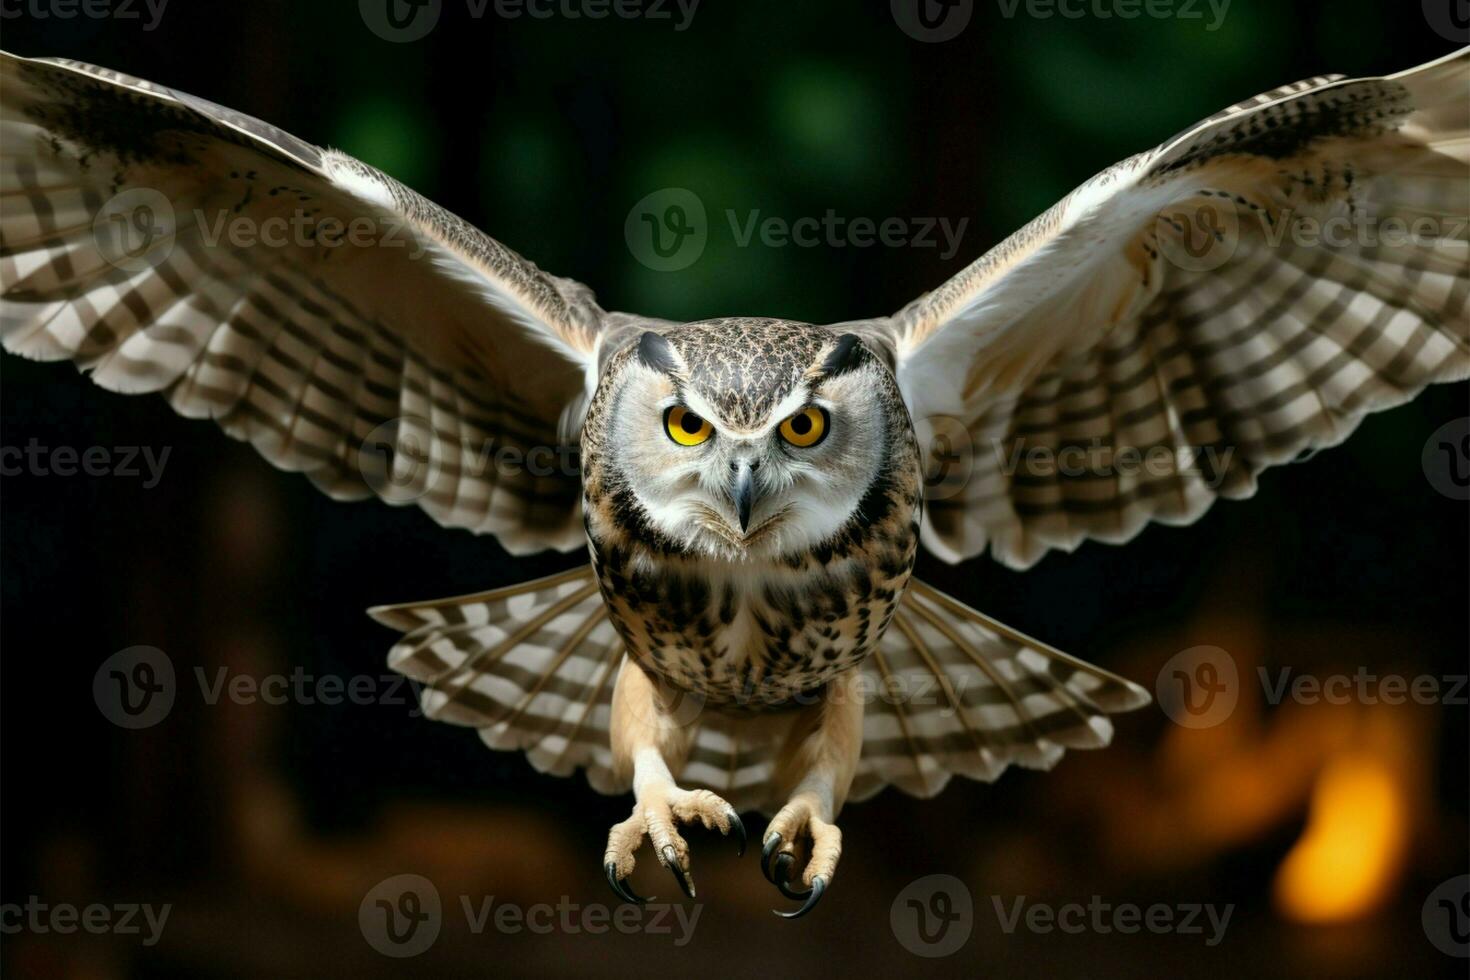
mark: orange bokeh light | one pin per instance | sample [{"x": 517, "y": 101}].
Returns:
[{"x": 1348, "y": 858}]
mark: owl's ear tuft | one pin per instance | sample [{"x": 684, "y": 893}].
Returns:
[
  {"x": 655, "y": 351},
  {"x": 844, "y": 357}
]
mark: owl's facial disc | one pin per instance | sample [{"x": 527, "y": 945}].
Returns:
[{"x": 737, "y": 486}]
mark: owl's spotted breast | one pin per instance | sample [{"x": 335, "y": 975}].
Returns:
[{"x": 755, "y": 636}]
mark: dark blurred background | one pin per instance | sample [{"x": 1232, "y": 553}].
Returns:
[{"x": 264, "y": 826}]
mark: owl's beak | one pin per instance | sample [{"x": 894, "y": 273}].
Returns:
[{"x": 742, "y": 492}]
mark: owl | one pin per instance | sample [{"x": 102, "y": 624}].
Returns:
[{"x": 747, "y": 634}]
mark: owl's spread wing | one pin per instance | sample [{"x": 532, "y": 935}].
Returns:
[
  {"x": 1241, "y": 294},
  {"x": 344, "y": 325}
]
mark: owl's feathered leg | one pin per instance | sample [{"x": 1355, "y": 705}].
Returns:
[
  {"x": 817, "y": 763},
  {"x": 650, "y": 739}
]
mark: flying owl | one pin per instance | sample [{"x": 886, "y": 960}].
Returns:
[{"x": 752, "y": 492}]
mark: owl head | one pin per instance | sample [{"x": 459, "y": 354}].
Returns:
[{"x": 742, "y": 438}]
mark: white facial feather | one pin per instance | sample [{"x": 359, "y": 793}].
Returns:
[{"x": 804, "y": 495}]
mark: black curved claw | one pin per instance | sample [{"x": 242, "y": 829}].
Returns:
[
  {"x": 738, "y": 829},
  {"x": 769, "y": 848},
  {"x": 686, "y": 881},
  {"x": 819, "y": 886},
  {"x": 783, "y": 878},
  {"x": 621, "y": 889}
]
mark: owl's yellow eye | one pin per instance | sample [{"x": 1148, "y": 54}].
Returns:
[
  {"x": 806, "y": 428},
  {"x": 686, "y": 428}
]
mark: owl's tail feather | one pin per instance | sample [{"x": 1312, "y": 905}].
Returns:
[
  {"x": 531, "y": 666},
  {"x": 955, "y": 692},
  {"x": 948, "y": 691}
]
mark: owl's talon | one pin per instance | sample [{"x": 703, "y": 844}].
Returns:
[
  {"x": 819, "y": 887},
  {"x": 799, "y": 834},
  {"x": 656, "y": 818},
  {"x": 783, "y": 878},
  {"x": 767, "y": 850},
  {"x": 621, "y": 889},
  {"x": 685, "y": 879},
  {"x": 738, "y": 829}
]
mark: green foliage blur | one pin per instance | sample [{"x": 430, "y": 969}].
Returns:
[{"x": 546, "y": 131}]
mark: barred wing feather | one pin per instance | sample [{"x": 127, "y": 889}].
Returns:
[
  {"x": 313, "y": 306},
  {"x": 1246, "y": 292}
]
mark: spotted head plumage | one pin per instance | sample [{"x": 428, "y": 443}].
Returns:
[{"x": 744, "y": 367}]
